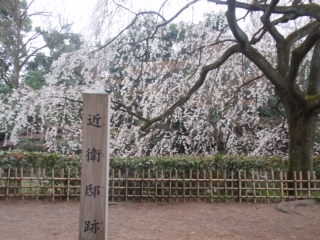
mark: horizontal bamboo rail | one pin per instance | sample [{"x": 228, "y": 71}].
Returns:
[{"x": 161, "y": 185}]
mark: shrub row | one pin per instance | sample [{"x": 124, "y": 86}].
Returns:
[{"x": 23, "y": 159}]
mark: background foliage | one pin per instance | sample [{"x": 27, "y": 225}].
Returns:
[{"x": 24, "y": 159}]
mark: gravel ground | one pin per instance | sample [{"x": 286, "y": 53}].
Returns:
[{"x": 47, "y": 220}]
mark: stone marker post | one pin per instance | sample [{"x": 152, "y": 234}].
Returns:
[{"x": 93, "y": 222}]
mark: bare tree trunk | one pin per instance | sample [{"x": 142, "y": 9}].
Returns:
[{"x": 302, "y": 128}]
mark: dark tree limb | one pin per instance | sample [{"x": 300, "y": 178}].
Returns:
[
  {"x": 278, "y": 110},
  {"x": 313, "y": 88},
  {"x": 241, "y": 37},
  {"x": 309, "y": 10},
  {"x": 265, "y": 19},
  {"x": 297, "y": 57}
]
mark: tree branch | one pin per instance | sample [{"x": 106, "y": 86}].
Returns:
[
  {"x": 229, "y": 52},
  {"x": 297, "y": 56},
  {"x": 302, "y": 32},
  {"x": 165, "y": 22},
  {"x": 310, "y": 10},
  {"x": 278, "y": 110},
  {"x": 313, "y": 88},
  {"x": 148, "y": 121},
  {"x": 241, "y": 37},
  {"x": 265, "y": 19},
  {"x": 71, "y": 100},
  {"x": 238, "y": 89}
]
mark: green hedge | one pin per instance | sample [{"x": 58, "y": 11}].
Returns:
[
  {"x": 23, "y": 159},
  {"x": 215, "y": 162}
]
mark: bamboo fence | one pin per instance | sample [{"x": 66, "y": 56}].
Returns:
[{"x": 163, "y": 185}]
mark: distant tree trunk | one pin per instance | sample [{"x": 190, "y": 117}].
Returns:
[
  {"x": 16, "y": 77},
  {"x": 15, "y": 82}
]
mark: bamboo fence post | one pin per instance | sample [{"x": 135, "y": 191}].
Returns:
[
  {"x": 112, "y": 185},
  {"x": 225, "y": 185},
  {"x": 170, "y": 178},
  {"x": 61, "y": 181},
  {"x": 205, "y": 185},
  {"x": 309, "y": 194},
  {"x": 162, "y": 186},
  {"x": 38, "y": 183},
  {"x": 119, "y": 185},
  {"x": 273, "y": 184},
  {"x": 190, "y": 185},
  {"x": 286, "y": 184},
  {"x": 142, "y": 186},
  {"x": 22, "y": 190},
  {"x": 218, "y": 186},
  {"x": 8, "y": 184},
  {"x": 267, "y": 186},
  {"x": 314, "y": 182},
  {"x": 148, "y": 184},
  {"x": 76, "y": 182},
  {"x": 259, "y": 185},
  {"x": 126, "y": 191},
  {"x": 52, "y": 174},
  {"x": 239, "y": 186},
  {"x": 176, "y": 184},
  {"x": 156, "y": 187},
  {"x": 245, "y": 184},
  {"x": 184, "y": 185},
  {"x": 295, "y": 185},
  {"x": 281, "y": 186},
  {"x": 44, "y": 187},
  {"x": 198, "y": 186},
  {"x": 15, "y": 181},
  {"x": 0, "y": 180},
  {"x": 68, "y": 185},
  {"x": 134, "y": 184},
  {"x": 232, "y": 184},
  {"x": 301, "y": 184},
  {"x": 253, "y": 186},
  {"x": 31, "y": 181},
  {"x": 211, "y": 193}
]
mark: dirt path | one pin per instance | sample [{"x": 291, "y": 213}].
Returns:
[{"x": 43, "y": 220}]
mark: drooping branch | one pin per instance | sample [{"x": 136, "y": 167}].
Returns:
[
  {"x": 165, "y": 22},
  {"x": 71, "y": 100},
  {"x": 238, "y": 90},
  {"x": 205, "y": 70},
  {"x": 127, "y": 109}
]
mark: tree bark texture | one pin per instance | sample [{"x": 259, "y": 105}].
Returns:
[{"x": 302, "y": 128}]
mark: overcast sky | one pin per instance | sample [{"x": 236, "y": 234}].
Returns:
[{"x": 79, "y": 11}]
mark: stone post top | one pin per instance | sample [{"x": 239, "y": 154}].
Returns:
[{"x": 94, "y": 91}]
